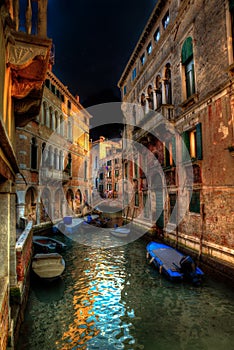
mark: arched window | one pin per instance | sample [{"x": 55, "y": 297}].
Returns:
[
  {"x": 33, "y": 153},
  {"x": 167, "y": 84},
  {"x": 44, "y": 154},
  {"x": 150, "y": 96},
  {"x": 188, "y": 67},
  {"x": 56, "y": 121},
  {"x": 158, "y": 84}
]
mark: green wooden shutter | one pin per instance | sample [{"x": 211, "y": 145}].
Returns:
[
  {"x": 173, "y": 143},
  {"x": 199, "y": 140},
  {"x": 185, "y": 146},
  {"x": 187, "y": 50}
]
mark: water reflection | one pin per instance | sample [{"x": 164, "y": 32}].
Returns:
[{"x": 114, "y": 300}]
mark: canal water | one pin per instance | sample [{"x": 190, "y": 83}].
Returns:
[{"x": 111, "y": 298}]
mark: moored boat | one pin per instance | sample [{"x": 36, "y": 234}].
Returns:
[
  {"x": 48, "y": 266},
  {"x": 173, "y": 264},
  {"x": 43, "y": 244},
  {"x": 120, "y": 232}
]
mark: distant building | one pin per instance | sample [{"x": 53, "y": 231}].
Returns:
[
  {"x": 24, "y": 59},
  {"x": 106, "y": 169},
  {"x": 182, "y": 68},
  {"x": 53, "y": 155}
]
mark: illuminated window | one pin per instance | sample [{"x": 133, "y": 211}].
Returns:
[
  {"x": 149, "y": 48},
  {"x": 166, "y": 20},
  {"x": 157, "y": 35},
  {"x": 192, "y": 144},
  {"x": 143, "y": 59}
]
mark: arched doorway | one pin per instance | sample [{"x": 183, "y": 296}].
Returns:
[
  {"x": 30, "y": 204},
  {"x": 45, "y": 213}
]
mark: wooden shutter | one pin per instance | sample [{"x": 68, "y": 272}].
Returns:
[
  {"x": 185, "y": 146},
  {"x": 199, "y": 140}
]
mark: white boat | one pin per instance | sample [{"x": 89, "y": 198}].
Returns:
[
  {"x": 121, "y": 232},
  {"x": 49, "y": 265}
]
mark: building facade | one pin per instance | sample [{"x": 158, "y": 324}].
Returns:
[
  {"x": 106, "y": 170},
  {"x": 24, "y": 59},
  {"x": 178, "y": 101},
  {"x": 53, "y": 155}
]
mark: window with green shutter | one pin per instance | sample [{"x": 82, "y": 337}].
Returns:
[
  {"x": 194, "y": 205},
  {"x": 188, "y": 64},
  {"x": 192, "y": 144}
]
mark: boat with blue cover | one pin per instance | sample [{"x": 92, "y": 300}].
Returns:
[{"x": 173, "y": 263}]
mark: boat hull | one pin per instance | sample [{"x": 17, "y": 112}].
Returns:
[
  {"x": 172, "y": 263},
  {"x": 120, "y": 232},
  {"x": 48, "y": 266},
  {"x": 43, "y": 244}
]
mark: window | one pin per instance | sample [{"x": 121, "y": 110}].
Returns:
[
  {"x": 116, "y": 173},
  {"x": 143, "y": 59},
  {"x": 116, "y": 160},
  {"x": 47, "y": 83},
  {"x": 158, "y": 84},
  {"x": 109, "y": 163},
  {"x": 125, "y": 90},
  {"x": 85, "y": 170},
  {"x": 194, "y": 205},
  {"x": 96, "y": 162},
  {"x": 134, "y": 74},
  {"x": 170, "y": 153},
  {"x": 192, "y": 143},
  {"x": 166, "y": 20},
  {"x": 136, "y": 199},
  {"x": 167, "y": 84},
  {"x": 149, "y": 48},
  {"x": 109, "y": 174},
  {"x": 101, "y": 176},
  {"x": 188, "y": 67},
  {"x": 173, "y": 207},
  {"x": 69, "y": 104},
  {"x": 33, "y": 153},
  {"x": 157, "y": 35}
]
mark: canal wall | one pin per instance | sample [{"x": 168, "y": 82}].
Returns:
[{"x": 19, "y": 292}]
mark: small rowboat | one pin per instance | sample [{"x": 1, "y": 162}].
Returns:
[
  {"x": 43, "y": 244},
  {"x": 120, "y": 232},
  {"x": 48, "y": 266}
]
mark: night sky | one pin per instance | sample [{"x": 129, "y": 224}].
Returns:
[{"x": 93, "y": 42}]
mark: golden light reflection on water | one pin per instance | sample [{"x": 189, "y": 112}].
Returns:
[{"x": 94, "y": 304}]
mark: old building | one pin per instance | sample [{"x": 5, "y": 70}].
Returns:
[
  {"x": 23, "y": 64},
  {"x": 106, "y": 169},
  {"x": 178, "y": 100},
  {"x": 53, "y": 155}
]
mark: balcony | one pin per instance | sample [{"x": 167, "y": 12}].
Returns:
[{"x": 27, "y": 58}]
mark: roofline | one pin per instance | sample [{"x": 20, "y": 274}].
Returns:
[{"x": 143, "y": 38}]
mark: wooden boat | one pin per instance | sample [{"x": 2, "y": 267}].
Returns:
[
  {"x": 48, "y": 266},
  {"x": 120, "y": 232},
  {"x": 173, "y": 264},
  {"x": 43, "y": 244}
]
